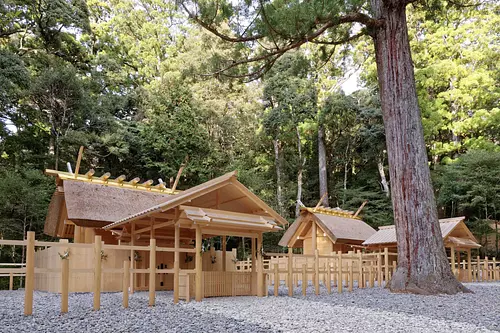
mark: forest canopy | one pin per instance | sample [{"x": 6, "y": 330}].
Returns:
[{"x": 133, "y": 82}]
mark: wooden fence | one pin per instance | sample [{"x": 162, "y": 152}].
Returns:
[
  {"x": 356, "y": 269},
  {"x": 339, "y": 270}
]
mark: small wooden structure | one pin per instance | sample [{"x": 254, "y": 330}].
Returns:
[
  {"x": 456, "y": 236},
  {"x": 327, "y": 230}
]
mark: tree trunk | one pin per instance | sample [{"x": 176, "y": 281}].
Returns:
[
  {"x": 323, "y": 178},
  {"x": 302, "y": 162},
  {"x": 422, "y": 262},
  {"x": 279, "y": 186},
  {"x": 383, "y": 180}
]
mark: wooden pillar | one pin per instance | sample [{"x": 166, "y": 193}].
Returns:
[
  {"x": 152, "y": 271},
  {"x": 177, "y": 233},
  {"x": 276, "y": 279},
  {"x": 152, "y": 231},
  {"x": 64, "y": 281},
  {"x": 132, "y": 257},
  {"x": 316, "y": 271},
  {"x": 11, "y": 281},
  {"x": 126, "y": 282},
  {"x": 97, "y": 272},
  {"x": 304, "y": 279},
  {"x": 30, "y": 273},
  {"x": 351, "y": 270},
  {"x": 361, "y": 278},
  {"x": 314, "y": 235},
  {"x": 254, "y": 268},
  {"x": 290, "y": 271},
  {"x": 198, "y": 263},
  {"x": 486, "y": 272},
  {"x": 386, "y": 265},
  {"x": 77, "y": 238},
  {"x": 379, "y": 269},
  {"x": 458, "y": 264},
  {"x": 89, "y": 235},
  {"x": 339, "y": 272},
  {"x": 452, "y": 252},
  {"x": 223, "y": 245},
  {"x": 328, "y": 278},
  {"x": 260, "y": 267}
]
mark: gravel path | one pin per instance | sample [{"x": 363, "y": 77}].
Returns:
[{"x": 367, "y": 310}]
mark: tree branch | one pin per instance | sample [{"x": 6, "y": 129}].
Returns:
[{"x": 217, "y": 33}]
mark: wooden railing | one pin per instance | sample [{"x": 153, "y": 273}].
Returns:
[
  {"x": 9, "y": 270},
  {"x": 227, "y": 284},
  {"x": 126, "y": 272},
  {"x": 353, "y": 269}
]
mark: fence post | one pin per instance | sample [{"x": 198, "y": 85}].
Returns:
[
  {"x": 290, "y": 272},
  {"x": 379, "y": 269},
  {"x": 276, "y": 279},
  {"x": 494, "y": 272},
  {"x": 97, "y": 272},
  {"x": 351, "y": 270},
  {"x": 328, "y": 278},
  {"x": 11, "y": 281},
  {"x": 386, "y": 264},
  {"x": 371, "y": 277},
  {"x": 316, "y": 272},
  {"x": 361, "y": 277},
  {"x": 469, "y": 266},
  {"x": 304, "y": 279},
  {"x": 30, "y": 273},
  {"x": 152, "y": 271},
  {"x": 64, "y": 281},
  {"x": 339, "y": 273},
  {"x": 260, "y": 268},
  {"x": 126, "y": 281}
]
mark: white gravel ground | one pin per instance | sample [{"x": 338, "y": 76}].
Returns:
[{"x": 366, "y": 310}]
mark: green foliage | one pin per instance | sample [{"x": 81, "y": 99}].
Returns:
[{"x": 139, "y": 86}]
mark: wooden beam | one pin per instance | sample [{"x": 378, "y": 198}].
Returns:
[
  {"x": 30, "y": 274},
  {"x": 176, "y": 263},
  {"x": 360, "y": 208},
  {"x": 152, "y": 271},
  {"x": 198, "y": 264},
  {"x": 260, "y": 267},
  {"x": 97, "y": 272},
  {"x": 320, "y": 200},
  {"x": 154, "y": 227},
  {"x": 223, "y": 246},
  {"x": 179, "y": 173},
  {"x": 78, "y": 161},
  {"x": 132, "y": 256}
]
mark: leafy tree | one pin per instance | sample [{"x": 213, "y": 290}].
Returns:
[
  {"x": 469, "y": 186},
  {"x": 280, "y": 26}
]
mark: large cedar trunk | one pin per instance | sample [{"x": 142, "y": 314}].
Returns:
[
  {"x": 422, "y": 262},
  {"x": 323, "y": 178}
]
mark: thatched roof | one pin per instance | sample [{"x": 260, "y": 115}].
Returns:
[
  {"x": 231, "y": 194},
  {"x": 337, "y": 224},
  {"x": 453, "y": 230},
  {"x": 96, "y": 205}
]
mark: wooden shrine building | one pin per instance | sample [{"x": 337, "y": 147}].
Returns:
[
  {"x": 456, "y": 236},
  {"x": 129, "y": 213},
  {"x": 335, "y": 230}
]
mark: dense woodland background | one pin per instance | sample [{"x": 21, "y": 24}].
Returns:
[{"x": 129, "y": 81}]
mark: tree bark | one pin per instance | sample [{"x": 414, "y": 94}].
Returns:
[
  {"x": 422, "y": 262},
  {"x": 302, "y": 162},
  {"x": 323, "y": 178},
  {"x": 383, "y": 180},
  {"x": 279, "y": 185}
]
